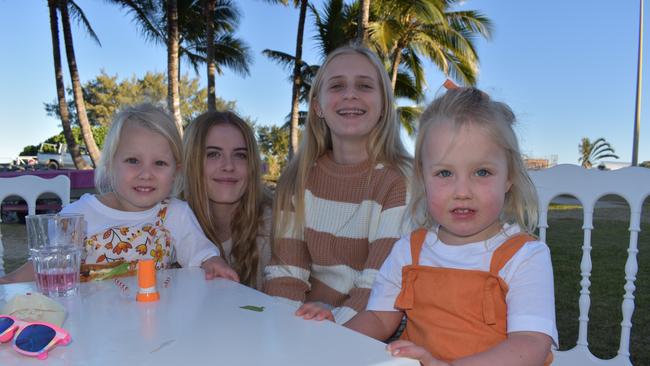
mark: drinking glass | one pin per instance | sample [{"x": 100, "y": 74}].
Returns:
[{"x": 55, "y": 246}]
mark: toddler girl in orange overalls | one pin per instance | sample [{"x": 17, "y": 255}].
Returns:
[{"x": 475, "y": 286}]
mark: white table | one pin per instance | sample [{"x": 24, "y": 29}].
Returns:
[{"x": 196, "y": 322}]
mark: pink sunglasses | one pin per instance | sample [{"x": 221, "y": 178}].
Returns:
[{"x": 31, "y": 339}]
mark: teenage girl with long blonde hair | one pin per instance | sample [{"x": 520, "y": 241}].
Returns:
[{"x": 340, "y": 202}]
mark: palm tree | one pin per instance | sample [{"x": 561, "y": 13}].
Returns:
[
  {"x": 229, "y": 51},
  {"x": 404, "y": 30},
  {"x": 307, "y": 73},
  {"x": 221, "y": 18},
  {"x": 159, "y": 22},
  {"x": 79, "y": 162},
  {"x": 153, "y": 18},
  {"x": 364, "y": 16},
  {"x": 297, "y": 75},
  {"x": 208, "y": 10},
  {"x": 297, "y": 79},
  {"x": 84, "y": 124},
  {"x": 173, "y": 40},
  {"x": 591, "y": 152}
]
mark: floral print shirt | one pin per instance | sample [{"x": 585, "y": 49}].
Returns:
[{"x": 131, "y": 243}]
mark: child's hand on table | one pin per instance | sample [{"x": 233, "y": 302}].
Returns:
[
  {"x": 411, "y": 350},
  {"x": 217, "y": 267},
  {"x": 315, "y": 310}
]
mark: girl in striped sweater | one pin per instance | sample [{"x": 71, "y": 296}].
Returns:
[{"x": 340, "y": 202}]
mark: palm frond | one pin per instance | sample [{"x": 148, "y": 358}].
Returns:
[
  {"x": 591, "y": 152},
  {"x": 193, "y": 57},
  {"x": 405, "y": 87},
  {"x": 332, "y": 26},
  {"x": 229, "y": 51},
  {"x": 281, "y": 58},
  {"x": 233, "y": 53},
  {"x": 146, "y": 15},
  {"x": 408, "y": 116},
  {"x": 471, "y": 21},
  {"x": 78, "y": 14},
  {"x": 411, "y": 61},
  {"x": 428, "y": 11}
]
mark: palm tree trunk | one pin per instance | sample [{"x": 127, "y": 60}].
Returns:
[
  {"x": 86, "y": 131},
  {"x": 209, "y": 8},
  {"x": 297, "y": 80},
  {"x": 397, "y": 58},
  {"x": 60, "y": 89},
  {"x": 173, "y": 89},
  {"x": 364, "y": 16}
]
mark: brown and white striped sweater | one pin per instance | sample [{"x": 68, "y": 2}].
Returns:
[{"x": 353, "y": 218}]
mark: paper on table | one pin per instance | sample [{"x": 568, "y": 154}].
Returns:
[{"x": 35, "y": 307}]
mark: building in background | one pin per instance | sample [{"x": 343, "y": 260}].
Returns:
[{"x": 537, "y": 163}]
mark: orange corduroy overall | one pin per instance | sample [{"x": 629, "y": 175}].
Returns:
[{"x": 455, "y": 313}]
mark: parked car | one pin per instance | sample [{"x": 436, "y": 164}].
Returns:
[
  {"x": 56, "y": 156},
  {"x": 21, "y": 163}
]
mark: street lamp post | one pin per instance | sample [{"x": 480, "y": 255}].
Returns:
[{"x": 639, "y": 74}]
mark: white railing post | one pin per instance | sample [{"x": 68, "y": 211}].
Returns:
[
  {"x": 631, "y": 268},
  {"x": 584, "y": 302}
]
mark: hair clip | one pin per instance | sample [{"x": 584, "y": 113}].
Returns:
[{"x": 449, "y": 84}]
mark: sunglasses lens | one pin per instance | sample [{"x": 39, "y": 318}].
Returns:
[
  {"x": 34, "y": 338},
  {"x": 5, "y": 323}
]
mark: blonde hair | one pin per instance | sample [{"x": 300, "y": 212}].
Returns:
[
  {"x": 248, "y": 216},
  {"x": 143, "y": 115},
  {"x": 465, "y": 106},
  {"x": 384, "y": 144}
]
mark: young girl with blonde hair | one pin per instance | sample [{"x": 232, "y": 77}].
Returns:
[
  {"x": 224, "y": 188},
  {"x": 340, "y": 201},
  {"x": 475, "y": 286}
]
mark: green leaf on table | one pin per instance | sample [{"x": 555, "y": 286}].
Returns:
[{"x": 259, "y": 309}]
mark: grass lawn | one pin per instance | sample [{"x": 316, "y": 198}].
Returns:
[{"x": 610, "y": 239}]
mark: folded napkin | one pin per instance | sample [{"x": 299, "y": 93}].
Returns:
[{"x": 35, "y": 307}]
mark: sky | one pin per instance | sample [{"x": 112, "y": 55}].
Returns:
[{"x": 566, "y": 68}]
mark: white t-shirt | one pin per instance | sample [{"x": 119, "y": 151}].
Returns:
[
  {"x": 529, "y": 274},
  {"x": 191, "y": 245}
]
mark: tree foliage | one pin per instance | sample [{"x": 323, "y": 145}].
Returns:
[
  {"x": 99, "y": 133},
  {"x": 274, "y": 146},
  {"x": 230, "y": 52},
  {"x": 591, "y": 152},
  {"x": 106, "y": 94},
  {"x": 403, "y": 31}
]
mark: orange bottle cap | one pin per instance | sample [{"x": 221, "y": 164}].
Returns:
[{"x": 147, "y": 281}]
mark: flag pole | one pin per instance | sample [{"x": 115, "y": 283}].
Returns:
[{"x": 639, "y": 75}]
